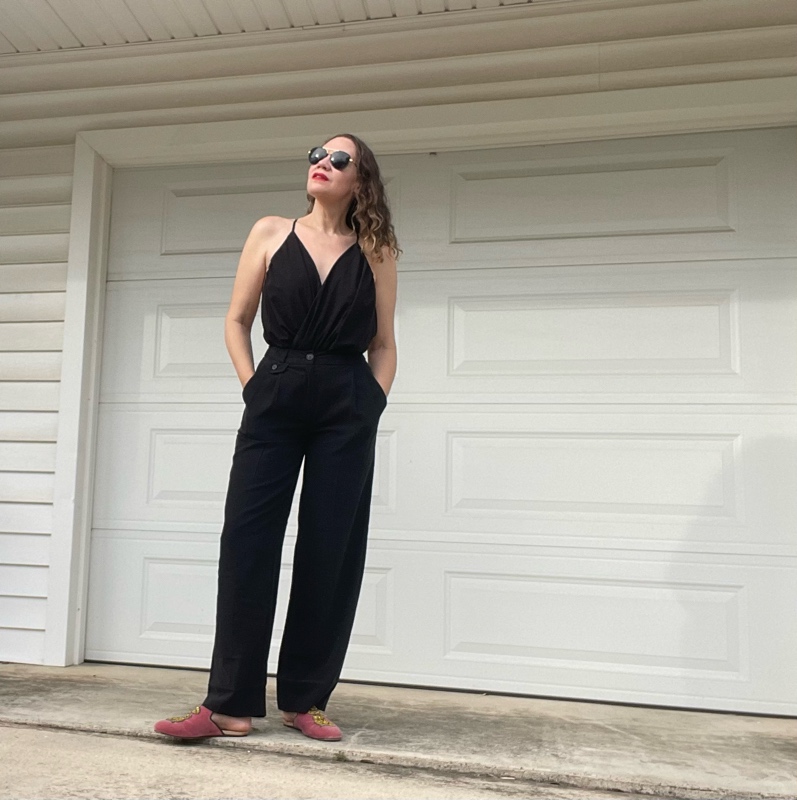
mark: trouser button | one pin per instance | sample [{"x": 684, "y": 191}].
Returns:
[{"x": 309, "y": 356}]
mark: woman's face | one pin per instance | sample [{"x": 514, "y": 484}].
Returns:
[{"x": 329, "y": 182}]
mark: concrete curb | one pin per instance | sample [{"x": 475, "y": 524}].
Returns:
[{"x": 340, "y": 752}]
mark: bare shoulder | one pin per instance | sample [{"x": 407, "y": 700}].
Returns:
[
  {"x": 384, "y": 267},
  {"x": 270, "y": 232},
  {"x": 270, "y": 226}
]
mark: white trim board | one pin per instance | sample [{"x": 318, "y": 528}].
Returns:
[
  {"x": 77, "y": 409},
  {"x": 500, "y": 123},
  {"x": 617, "y": 114}
]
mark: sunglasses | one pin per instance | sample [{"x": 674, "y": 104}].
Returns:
[{"x": 339, "y": 158}]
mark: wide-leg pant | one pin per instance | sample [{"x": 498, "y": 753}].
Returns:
[{"x": 323, "y": 408}]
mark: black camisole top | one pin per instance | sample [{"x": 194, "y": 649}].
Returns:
[{"x": 300, "y": 311}]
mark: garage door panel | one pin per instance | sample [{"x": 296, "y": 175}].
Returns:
[
  {"x": 649, "y": 475},
  {"x": 607, "y": 334},
  {"x": 703, "y": 475},
  {"x": 633, "y": 625},
  {"x": 519, "y": 333},
  {"x": 660, "y": 192}
]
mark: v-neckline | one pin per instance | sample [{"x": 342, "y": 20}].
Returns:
[{"x": 312, "y": 260}]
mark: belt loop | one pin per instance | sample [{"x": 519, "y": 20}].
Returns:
[{"x": 278, "y": 353}]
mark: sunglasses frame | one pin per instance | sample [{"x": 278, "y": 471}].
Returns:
[{"x": 330, "y": 154}]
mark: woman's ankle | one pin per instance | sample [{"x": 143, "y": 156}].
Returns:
[{"x": 230, "y": 718}]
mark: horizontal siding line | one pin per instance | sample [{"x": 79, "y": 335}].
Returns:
[
  {"x": 59, "y": 140},
  {"x": 26, "y": 596},
  {"x": 27, "y": 502},
  {"x": 9, "y": 178},
  {"x": 26, "y": 533},
  {"x": 36, "y": 204},
  {"x": 45, "y": 175},
  {"x": 32, "y": 264},
  {"x": 27, "y": 471},
  {"x": 27, "y": 441},
  {"x": 25, "y": 320},
  {"x": 20, "y": 628},
  {"x": 37, "y": 263},
  {"x": 56, "y": 184},
  {"x": 37, "y": 291},
  {"x": 32, "y": 234},
  {"x": 66, "y": 206}
]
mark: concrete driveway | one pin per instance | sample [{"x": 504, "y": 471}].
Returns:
[{"x": 397, "y": 742}]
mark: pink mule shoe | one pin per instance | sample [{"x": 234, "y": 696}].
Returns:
[
  {"x": 315, "y": 724},
  {"x": 197, "y": 724}
]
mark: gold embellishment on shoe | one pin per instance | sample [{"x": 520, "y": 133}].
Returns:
[
  {"x": 185, "y": 716},
  {"x": 319, "y": 717}
]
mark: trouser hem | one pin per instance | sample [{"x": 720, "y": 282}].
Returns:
[
  {"x": 300, "y": 696},
  {"x": 235, "y": 707}
]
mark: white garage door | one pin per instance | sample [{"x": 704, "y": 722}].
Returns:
[{"x": 586, "y": 477}]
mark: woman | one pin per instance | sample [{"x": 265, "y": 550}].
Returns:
[{"x": 328, "y": 293}]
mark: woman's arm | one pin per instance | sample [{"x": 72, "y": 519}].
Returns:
[
  {"x": 382, "y": 354},
  {"x": 246, "y": 297}
]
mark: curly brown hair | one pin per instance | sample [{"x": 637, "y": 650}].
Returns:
[{"x": 368, "y": 213}]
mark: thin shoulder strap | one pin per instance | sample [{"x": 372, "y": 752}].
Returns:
[{"x": 293, "y": 228}]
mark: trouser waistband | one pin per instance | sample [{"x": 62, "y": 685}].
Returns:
[{"x": 296, "y": 355}]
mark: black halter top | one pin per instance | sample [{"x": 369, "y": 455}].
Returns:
[{"x": 300, "y": 311}]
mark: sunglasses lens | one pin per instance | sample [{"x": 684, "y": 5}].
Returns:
[
  {"x": 316, "y": 154},
  {"x": 339, "y": 159}
]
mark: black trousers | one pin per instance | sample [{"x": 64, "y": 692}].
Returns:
[{"x": 323, "y": 408}]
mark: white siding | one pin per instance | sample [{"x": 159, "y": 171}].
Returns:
[
  {"x": 35, "y": 188},
  {"x": 522, "y": 51}
]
